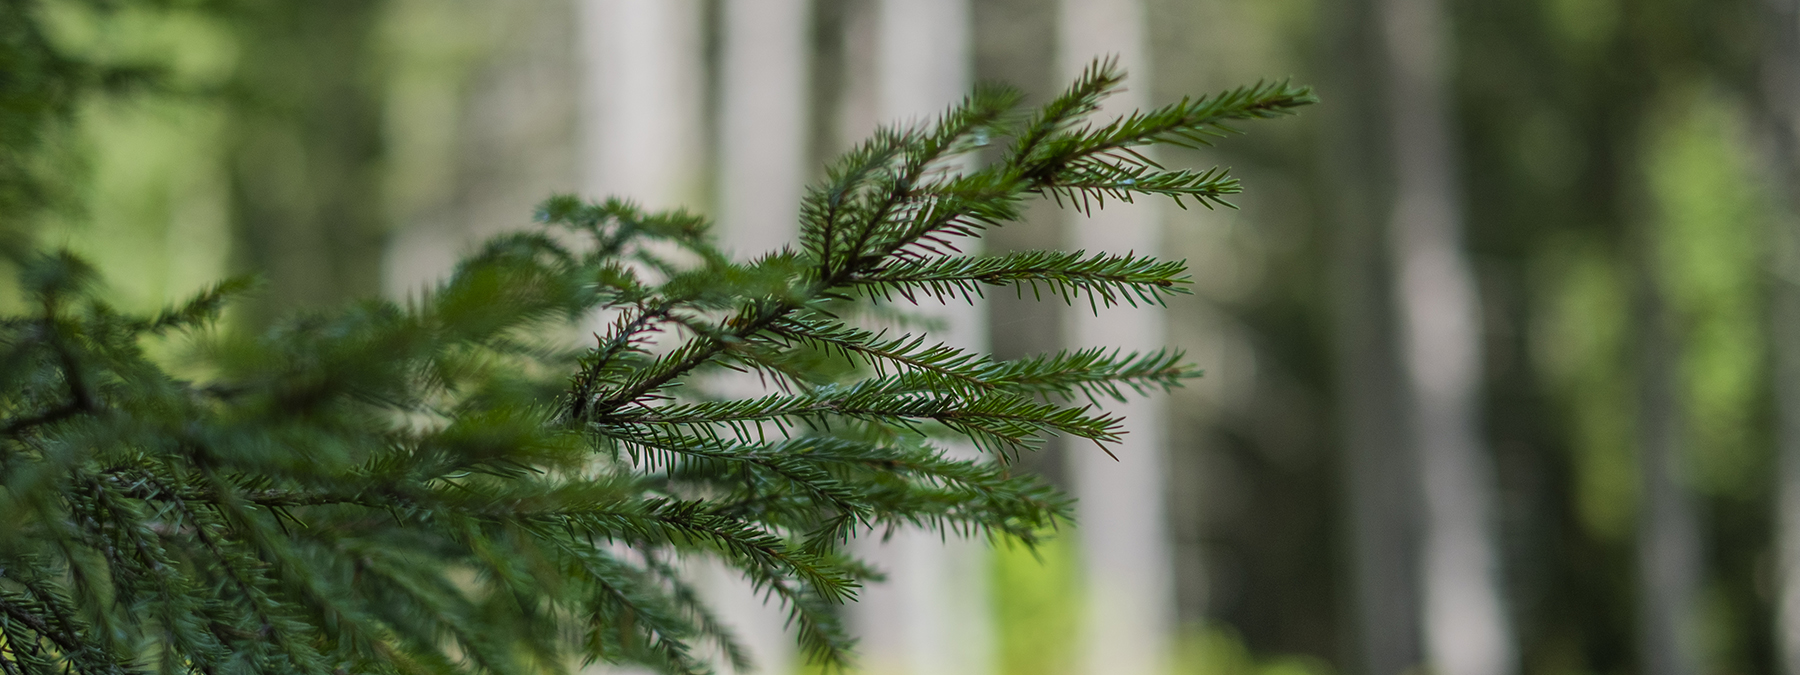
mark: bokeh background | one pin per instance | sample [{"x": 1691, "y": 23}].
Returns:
[{"x": 1502, "y": 346}]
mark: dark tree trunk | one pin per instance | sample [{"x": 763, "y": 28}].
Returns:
[
  {"x": 306, "y": 152},
  {"x": 1668, "y": 533},
  {"x": 1779, "y": 108},
  {"x": 1380, "y": 485}
]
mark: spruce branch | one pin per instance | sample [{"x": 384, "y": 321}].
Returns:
[
  {"x": 443, "y": 486},
  {"x": 1106, "y": 279}
]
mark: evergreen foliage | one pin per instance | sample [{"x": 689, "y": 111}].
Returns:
[{"x": 444, "y": 485}]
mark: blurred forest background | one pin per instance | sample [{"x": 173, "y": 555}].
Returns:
[{"x": 1502, "y": 349}]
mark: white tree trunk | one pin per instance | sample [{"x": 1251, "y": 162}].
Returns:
[
  {"x": 763, "y": 109},
  {"x": 762, "y": 116},
  {"x": 642, "y": 124},
  {"x": 1126, "y": 559},
  {"x": 931, "y": 616},
  {"x": 641, "y": 120},
  {"x": 1466, "y": 628}
]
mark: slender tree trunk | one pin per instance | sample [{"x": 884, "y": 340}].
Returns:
[
  {"x": 763, "y": 105},
  {"x": 1379, "y": 474},
  {"x": 1668, "y": 537},
  {"x": 1466, "y": 629},
  {"x": 1780, "y": 122},
  {"x": 1669, "y": 565},
  {"x": 1785, "y": 328},
  {"x": 1380, "y": 484},
  {"x": 1668, "y": 548},
  {"x": 641, "y": 100},
  {"x": 931, "y": 616},
  {"x": 1010, "y": 47},
  {"x": 641, "y": 110},
  {"x": 763, "y": 122},
  {"x": 1127, "y": 575},
  {"x": 306, "y": 152}
]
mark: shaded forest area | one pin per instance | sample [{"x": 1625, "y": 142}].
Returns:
[{"x": 1611, "y": 200}]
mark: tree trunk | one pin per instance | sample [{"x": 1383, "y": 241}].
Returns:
[
  {"x": 642, "y": 88},
  {"x": 1127, "y": 575},
  {"x": 306, "y": 152},
  {"x": 1668, "y": 547},
  {"x": 1779, "y": 110},
  {"x": 1466, "y": 630},
  {"x": 1380, "y": 485},
  {"x": 1010, "y": 47},
  {"x": 1785, "y": 328},
  {"x": 763, "y": 127},
  {"x": 763, "y": 104},
  {"x": 931, "y": 615},
  {"x": 642, "y": 125}
]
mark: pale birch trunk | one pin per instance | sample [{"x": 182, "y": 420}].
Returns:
[
  {"x": 762, "y": 118},
  {"x": 1466, "y": 629},
  {"x": 931, "y": 616},
  {"x": 1780, "y": 112},
  {"x": 641, "y": 122},
  {"x": 1127, "y": 568},
  {"x": 763, "y": 125}
]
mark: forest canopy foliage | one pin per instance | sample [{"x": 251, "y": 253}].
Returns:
[{"x": 454, "y": 483}]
